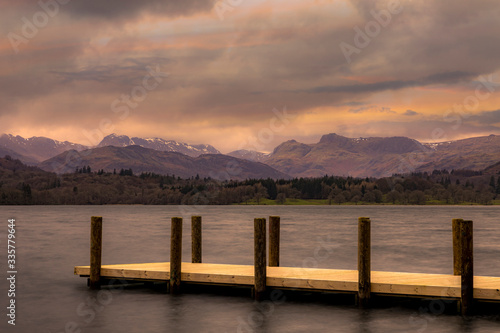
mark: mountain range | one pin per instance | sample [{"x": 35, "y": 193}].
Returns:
[
  {"x": 381, "y": 157},
  {"x": 333, "y": 155},
  {"x": 140, "y": 159},
  {"x": 158, "y": 144},
  {"x": 38, "y": 149},
  {"x": 35, "y": 149},
  {"x": 249, "y": 155}
]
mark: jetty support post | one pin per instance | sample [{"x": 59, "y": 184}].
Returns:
[
  {"x": 274, "y": 241},
  {"x": 467, "y": 268},
  {"x": 364, "y": 269},
  {"x": 196, "y": 239},
  {"x": 260, "y": 273},
  {"x": 175, "y": 255},
  {"x": 457, "y": 246},
  {"x": 95, "y": 252}
]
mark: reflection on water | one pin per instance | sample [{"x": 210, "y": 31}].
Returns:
[{"x": 51, "y": 240}]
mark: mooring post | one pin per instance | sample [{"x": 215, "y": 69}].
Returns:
[
  {"x": 364, "y": 270},
  {"x": 175, "y": 255},
  {"x": 274, "y": 241},
  {"x": 196, "y": 239},
  {"x": 457, "y": 246},
  {"x": 467, "y": 268},
  {"x": 95, "y": 252},
  {"x": 259, "y": 258}
]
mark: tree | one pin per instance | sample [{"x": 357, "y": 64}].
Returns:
[
  {"x": 369, "y": 196},
  {"x": 281, "y": 198},
  {"x": 339, "y": 198},
  {"x": 383, "y": 185},
  {"x": 492, "y": 182},
  {"x": 378, "y": 196},
  {"x": 393, "y": 196},
  {"x": 260, "y": 192},
  {"x": 417, "y": 198},
  {"x": 271, "y": 188},
  {"x": 485, "y": 197},
  {"x": 27, "y": 193}
]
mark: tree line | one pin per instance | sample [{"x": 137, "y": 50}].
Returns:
[{"x": 24, "y": 185}]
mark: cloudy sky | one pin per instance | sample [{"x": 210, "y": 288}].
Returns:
[{"x": 249, "y": 73}]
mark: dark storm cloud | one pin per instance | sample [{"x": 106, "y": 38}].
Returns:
[
  {"x": 487, "y": 117},
  {"x": 266, "y": 54},
  {"x": 351, "y": 103},
  {"x": 422, "y": 130},
  {"x": 410, "y": 113},
  {"x": 128, "y": 72},
  {"x": 111, "y": 9},
  {"x": 372, "y": 108},
  {"x": 438, "y": 78},
  {"x": 448, "y": 77}
]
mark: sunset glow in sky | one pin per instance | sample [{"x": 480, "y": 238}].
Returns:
[{"x": 204, "y": 71}]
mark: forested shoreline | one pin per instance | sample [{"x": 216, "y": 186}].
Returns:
[{"x": 25, "y": 185}]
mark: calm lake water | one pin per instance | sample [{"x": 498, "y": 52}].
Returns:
[{"x": 52, "y": 240}]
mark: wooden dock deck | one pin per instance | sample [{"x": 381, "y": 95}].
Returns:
[
  {"x": 462, "y": 285},
  {"x": 334, "y": 280}
]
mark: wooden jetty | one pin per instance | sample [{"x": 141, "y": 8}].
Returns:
[{"x": 462, "y": 285}]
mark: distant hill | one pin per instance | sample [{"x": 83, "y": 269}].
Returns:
[
  {"x": 381, "y": 157},
  {"x": 473, "y": 153},
  {"x": 158, "y": 144},
  {"x": 338, "y": 155},
  {"x": 141, "y": 159},
  {"x": 14, "y": 164},
  {"x": 333, "y": 154},
  {"x": 250, "y": 155},
  {"x": 492, "y": 169},
  {"x": 36, "y": 149},
  {"x": 8, "y": 152}
]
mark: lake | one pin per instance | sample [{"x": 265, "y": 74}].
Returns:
[{"x": 50, "y": 241}]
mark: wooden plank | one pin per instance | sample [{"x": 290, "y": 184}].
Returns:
[{"x": 387, "y": 283}]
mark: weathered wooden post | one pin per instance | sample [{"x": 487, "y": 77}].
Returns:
[
  {"x": 457, "y": 249},
  {"x": 196, "y": 239},
  {"x": 274, "y": 241},
  {"x": 175, "y": 255},
  {"x": 364, "y": 269},
  {"x": 259, "y": 258},
  {"x": 95, "y": 252},
  {"x": 467, "y": 268}
]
